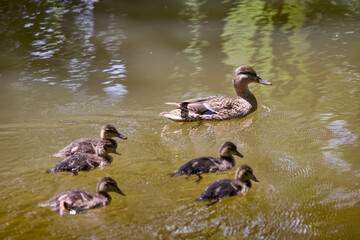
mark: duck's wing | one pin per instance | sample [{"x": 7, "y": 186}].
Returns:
[
  {"x": 75, "y": 163},
  {"x": 78, "y": 200},
  {"x": 81, "y": 200},
  {"x": 212, "y": 103},
  {"x": 214, "y": 108},
  {"x": 84, "y": 145},
  {"x": 219, "y": 189},
  {"x": 198, "y": 166},
  {"x": 190, "y": 101},
  {"x": 195, "y": 105},
  {"x": 219, "y": 104},
  {"x": 227, "y": 108}
]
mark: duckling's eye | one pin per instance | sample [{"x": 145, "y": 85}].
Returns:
[{"x": 251, "y": 73}]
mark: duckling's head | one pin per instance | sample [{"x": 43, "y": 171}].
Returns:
[
  {"x": 245, "y": 173},
  {"x": 245, "y": 75},
  {"x": 109, "y": 131},
  {"x": 104, "y": 147},
  {"x": 229, "y": 149},
  {"x": 107, "y": 184}
]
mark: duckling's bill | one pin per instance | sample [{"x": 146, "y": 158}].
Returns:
[
  {"x": 118, "y": 190},
  {"x": 254, "y": 178},
  {"x": 116, "y": 152},
  {"x": 121, "y": 136},
  {"x": 239, "y": 154}
]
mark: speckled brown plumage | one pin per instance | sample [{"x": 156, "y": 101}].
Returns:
[
  {"x": 229, "y": 187},
  {"x": 80, "y": 200},
  {"x": 86, "y": 161},
  {"x": 87, "y": 145},
  {"x": 215, "y": 108},
  {"x": 202, "y": 165}
]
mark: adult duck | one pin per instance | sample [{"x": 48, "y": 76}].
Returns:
[
  {"x": 202, "y": 165},
  {"x": 88, "y": 145},
  {"x": 229, "y": 187},
  {"x": 216, "y": 108},
  {"x": 77, "y": 201}
]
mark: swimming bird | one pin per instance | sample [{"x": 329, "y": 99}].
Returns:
[
  {"x": 80, "y": 200},
  {"x": 229, "y": 187},
  {"x": 202, "y": 165},
  {"x": 87, "y": 161},
  {"x": 87, "y": 145},
  {"x": 215, "y": 108}
]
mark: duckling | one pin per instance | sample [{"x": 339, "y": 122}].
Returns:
[
  {"x": 216, "y": 108},
  {"x": 87, "y": 145},
  {"x": 229, "y": 187},
  {"x": 210, "y": 164},
  {"x": 80, "y": 200},
  {"x": 86, "y": 161}
]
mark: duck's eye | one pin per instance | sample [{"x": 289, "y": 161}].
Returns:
[{"x": 247, "y": 73}]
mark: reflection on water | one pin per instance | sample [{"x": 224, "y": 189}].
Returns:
[{"x": 68, "y": 67}]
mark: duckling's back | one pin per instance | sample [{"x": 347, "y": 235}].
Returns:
[
  {"x": 80, "y": 162},
  {"x": 198, "y": 166},
  {"x": 76, "y": 199},
  {"x": 84, "y": 145},
  {"x": 220, "y": 189}
]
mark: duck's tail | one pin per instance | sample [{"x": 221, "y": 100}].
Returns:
[
  {"x": 50, "y": 171},
  {"x": 58, "y": 155},
  {"x": 200, "y": 199},
  {"x": 173, "y": 103},
  {"x": 174, "y": 174},
  {"x": 41, "y": 205}
]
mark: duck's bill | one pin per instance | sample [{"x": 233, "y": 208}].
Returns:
[
  {"x": 262, "y": 81},
  {"x": 116, "y": 152},
  {"x": 118, "y": 190},
  {"x": 239, "y": 154},
  {"x": 255, "y": 179},
  {"x": 122, "y": 136}
]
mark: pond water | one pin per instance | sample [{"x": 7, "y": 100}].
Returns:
[{"x": 69, "y": 67}]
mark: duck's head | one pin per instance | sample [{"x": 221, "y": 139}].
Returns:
[
  {"x": 245, "y": 173},
  {"x": 104, "y": 147},
  {"x": 245, "y": 75},
  {"x": 109, "y": 131},
  {"x": 107, "y": 184},
  {"x": 229, "y": 149}
]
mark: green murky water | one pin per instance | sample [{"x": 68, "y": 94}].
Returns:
[{"x": 68, "y": 67}]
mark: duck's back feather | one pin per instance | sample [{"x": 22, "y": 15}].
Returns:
[
  {"x": 84, "y": 145},
  {"x": 80, "y": 162},
  {"x": 199, "y": 166},
  {"x": 79, "y": 200},
  {"x": 220, "y": 189},
  {"x": 222, "y": 108}
]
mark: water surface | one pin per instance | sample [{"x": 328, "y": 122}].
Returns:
[{"x": 67, "y": 68}]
